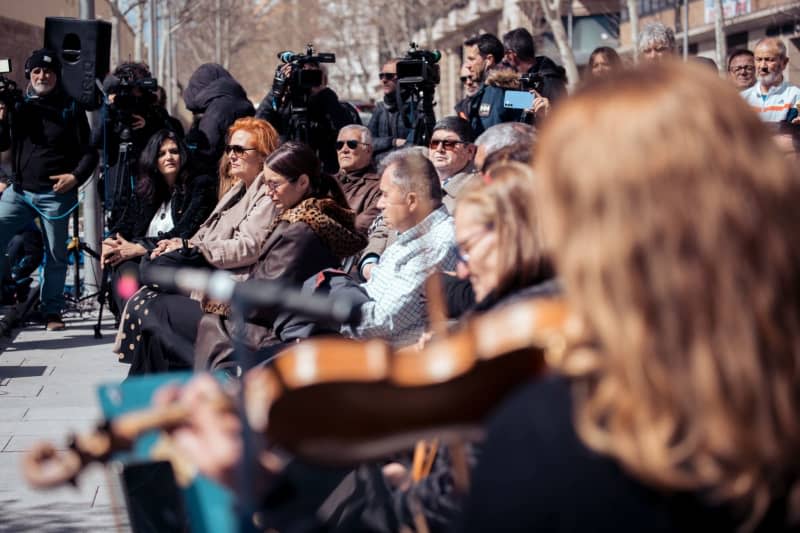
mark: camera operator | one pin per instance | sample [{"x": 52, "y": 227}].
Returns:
[
  {"x": 50, "y": 140},
  {"x": 131, "y": 116},
  {"x": 483, "y": 55},
  {"x": 325, "y": 115},
  {"x": 387, "y": 126}
]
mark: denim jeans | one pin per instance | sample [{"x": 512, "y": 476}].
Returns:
[{"x": 15, "y": 214}]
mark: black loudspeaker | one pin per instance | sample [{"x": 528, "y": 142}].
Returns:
[{"x": 84, "y": 49}]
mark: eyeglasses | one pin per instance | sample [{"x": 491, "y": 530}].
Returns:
[
  {"x": 464, "y": 79},
  {"x": 273, "y": 186},
  {"x": 236, "y": 149},
  {"x": 350, "y": 144},
  {"x": 461, "y": 248},
  {"x": 448, "y": 144},
  {"x": 389, "y": 76},
  {"x": 743, "y": 68},
  {"x": 656, "y": 50}
]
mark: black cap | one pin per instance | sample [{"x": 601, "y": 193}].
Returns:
[{"x": 43, "y": 58}]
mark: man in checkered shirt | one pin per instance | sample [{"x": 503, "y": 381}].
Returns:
[{"x": 411, "y": 204}]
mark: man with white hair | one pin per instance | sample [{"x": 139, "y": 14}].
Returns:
[
  {"x": 411, "y": 204},
  {"x": 772, "y": 97},
  {"x": 656, "y": 42},
  {"x": 360, "y": 183},
  {"x": 503, "y": 142}
]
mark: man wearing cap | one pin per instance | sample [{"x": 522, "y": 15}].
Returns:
[{"x": 49, "y": 136}]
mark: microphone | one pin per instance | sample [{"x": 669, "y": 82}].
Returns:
[{"x": 256, "y": 293}]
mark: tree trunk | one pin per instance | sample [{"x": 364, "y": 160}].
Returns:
[
  {"x": 633, "y": 16},
  {"x": 719, "y": 35},
  {"x": 552, "y": 13},
  {"x": 138, "y": 43}
]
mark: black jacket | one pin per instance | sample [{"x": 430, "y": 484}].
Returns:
[
  {"x": 216, "y": 100},
  {"x": 387, "y": 124},
  {"x": 192, "y": 202},
  {"x": 486, "y": 108},
  {"x": 51, "y": 136}
]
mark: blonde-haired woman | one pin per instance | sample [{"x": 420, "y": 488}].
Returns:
[{"x": 676, "y": 232}]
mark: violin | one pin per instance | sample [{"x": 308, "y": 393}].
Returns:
[{"x": 337, "y": 401}]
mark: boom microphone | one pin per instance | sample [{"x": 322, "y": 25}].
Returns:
[{"x": 257, "y": 293}]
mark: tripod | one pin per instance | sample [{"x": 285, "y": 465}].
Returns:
[{"x": 425, "y": 119}]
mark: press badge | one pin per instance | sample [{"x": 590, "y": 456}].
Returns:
[{"x": 485, "y": 109}]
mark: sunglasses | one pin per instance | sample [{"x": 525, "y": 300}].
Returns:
[
  {"x": 350, "y": 144},
  {"x": 464, "y": 79},
  {"x": 387, "y": 76},
  {"x": 448, "y": 144},
  {"x": 236, "y": 149}
]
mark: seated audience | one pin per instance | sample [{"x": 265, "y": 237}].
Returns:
[
  {"x": 313, "y": 230},
  {"x": 357, "y": 175},
  {"x": 169, "y": 201},
  {"x": 411, "y": 204},
  {"x": 676, "y": 405},
  {"x": 511, "y": 141},
  {"x": 451, "y": 151},
  {"x": 231, "y": 238}
]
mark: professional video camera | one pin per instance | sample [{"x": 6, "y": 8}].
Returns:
[
  {"x": 418, "y": 73},
  {"x": 292, "y": 87},
  {"x": 530, "y": 81},
  {"x": 132, "y": 95},
  {"x": 419, "y": 67},
  {"x": 10, "y": 94}
]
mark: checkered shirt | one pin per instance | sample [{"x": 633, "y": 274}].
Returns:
[{"x": 396, "y": 310}]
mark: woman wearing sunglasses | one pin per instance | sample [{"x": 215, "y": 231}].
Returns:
[
  {"x": 229, "y": 239},
  {"x": 314, "y": 230},
  {"x": 169, "y": 201}
]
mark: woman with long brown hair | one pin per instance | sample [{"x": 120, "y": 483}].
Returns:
[{"x": 674, "y": 226}]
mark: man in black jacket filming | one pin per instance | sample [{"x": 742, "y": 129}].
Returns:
[
  {"x": 50, "y": 140},
  {"x": 325, "y": 116}
]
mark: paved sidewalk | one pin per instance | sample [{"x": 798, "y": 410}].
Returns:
[{"x": 47, "y": 389}]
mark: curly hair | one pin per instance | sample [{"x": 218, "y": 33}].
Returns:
[{"x": 675, "y": 228}]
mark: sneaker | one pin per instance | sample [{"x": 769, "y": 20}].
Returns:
[{"x": 54, "y": 322}]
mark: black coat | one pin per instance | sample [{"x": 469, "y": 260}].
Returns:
[
  {"x": 192, "y": 202},
  {"x": 387, "y": 124},
  {"x": 216, "y": 100},
  {"x": 51, "y": 136},
  {"x": 554, "y": 78}
]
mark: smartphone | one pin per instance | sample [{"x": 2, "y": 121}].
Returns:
[{"x": 518, "y": 100}]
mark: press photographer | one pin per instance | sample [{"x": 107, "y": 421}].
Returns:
[
  {"x": 129, "y": 118},
  {"x": 303, "y": 108},
  {"x": 49, "y": 136}
]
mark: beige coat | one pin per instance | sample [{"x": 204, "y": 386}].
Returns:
[{"x": 232, "y": 237}]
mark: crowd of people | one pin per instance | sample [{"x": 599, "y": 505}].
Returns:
[{"x": 657, "y": 201}]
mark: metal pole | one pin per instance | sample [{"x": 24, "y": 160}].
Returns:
[
  {"x": 218, "y": 33},
  {"x": 152, "y": 46},
  {"x": 92, "y": 215},
  {"x": 685, "y": 25},
  {"x": 173, "y": 68}
]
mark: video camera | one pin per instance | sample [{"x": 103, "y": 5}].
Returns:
[
  {"x": 529, "y": 82},
  {"x": 419, "y": 67},
  {"x": 300, "y": 80},
  {"x": 133, "y": 94},
  {"x": 10, "y": 94}
]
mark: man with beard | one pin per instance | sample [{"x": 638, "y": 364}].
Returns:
[
  {"x": 773, "y": 98},
  {"x": 742, "y": 68},
  {"x": 520, "y": 53},
  {"x": 50, "y": 141},
  {"x": 390, "y": 123}
]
